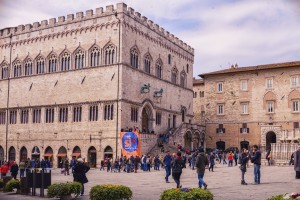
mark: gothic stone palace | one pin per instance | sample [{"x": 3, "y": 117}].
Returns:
[{"x": 69, "y": 85}]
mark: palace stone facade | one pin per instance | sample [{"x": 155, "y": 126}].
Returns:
[
  {"x": 70, "y": 85},
  {"x": 249, "y": 105}
]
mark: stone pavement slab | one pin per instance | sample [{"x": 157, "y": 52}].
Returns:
[{"x": 224, "y": 183}]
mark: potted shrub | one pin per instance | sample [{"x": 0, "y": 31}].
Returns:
[
  {"x": 64, "y": 190},
  {"x": 11, "y": 185},
  {"x": 115, "y": 192},
  {"x": 186, "y": 193}
]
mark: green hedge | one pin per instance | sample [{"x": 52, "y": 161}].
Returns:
[
  {"x": 64, "y": 189},
  {"x": 1, "y": 183},
  {"x": 12, "y": 184},
  {"x": 115, "y": 192},
  {"x": 285, "y": 196},
  {"x": 186, "y": 193}
]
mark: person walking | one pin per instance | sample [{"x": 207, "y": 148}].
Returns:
[
  {"x": 22, "y": 168},
  {"x": 211, "y": 161},
  {"x": 224, "y": 158},
  {"x": 268, "y": 157},
  {"x": 230, "y": 159},
  {"x": 167, "y": 162},
  {"x": 256, "y": 160},
  {"x": 137, "y": 160},
  {"x": 14, "y": 169},
  {"x": 236, "y": 157},
  {"x": 79, "y": 174},
  {"x": 297, "y": 162},
  {"x": 201, "y": 162},
  {"x": 243, "y": 160},
  {"x": 177, "y": 166},
  {"x": 66, "y": 166}
]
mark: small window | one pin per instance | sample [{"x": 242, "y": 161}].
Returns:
[
  {"x": 169, "y": 59},
  {"x": 269, "y": 83},
  {"x": 220, "y": 109},
  {"x": 4, "y": 71},
  {"x": 296, "y": 125},
  {"x": 13, "y": 117},
  {"x": 109, "y": 55},
  {"x": 244, "y": 85},
  {"x": 270, "y": 107},
  {"x": 93, "y": 113},
  {"x": 158, "y": 118},
  {"x": 134, "y": 58},
  {"x": 244, "y": 108},
  {"x": 220, "y": 129},
  {"x": 77, "y": 112},
  {"x": 36, "y": 116},
  {"x": 65, "y": 61},
  {"x": 220, "y": 87},
  {"x": 195, "y": 94},
  {"x": 24, "y": 116},
  {"x": 294, "y": 81},
  {"x": 17, "y": 69},
  {"x": 158, "y": 69},
  {"x": 182, "y": 79},
  {"x": 295, "y": 106},
  {"x": 108, "y": 112},
  {"x": 201, "y": 94},
  {"x": 49, "y": 115},
  {"x": 2, "y": 117},
  {"x": 244, "y": 129},
  {"x": 28, "y": 67},
  {"x": 95, "y": 57},
  {"x": 147, "y": 63},
  {"x": 174, "y": 76},
  {"x": 134, "y": 114},
  {"x": 63, "y": 115}
]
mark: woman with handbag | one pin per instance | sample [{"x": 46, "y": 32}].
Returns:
[{"x": 244, "y": 157}]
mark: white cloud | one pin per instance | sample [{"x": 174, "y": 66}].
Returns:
[{"x": 244, "y": 32}]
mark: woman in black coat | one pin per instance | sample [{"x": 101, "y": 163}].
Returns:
[
  {"x": 80, "y": 170},
  {"x": 177, "y": 166},
  {"x": 14, "y": 170}
]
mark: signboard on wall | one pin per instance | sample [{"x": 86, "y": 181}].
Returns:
[{"x": 131, "y": 144}]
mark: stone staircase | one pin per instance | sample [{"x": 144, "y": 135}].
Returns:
[{"x": 167, "y": 147}]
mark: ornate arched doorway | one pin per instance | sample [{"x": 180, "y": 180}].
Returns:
[
  {"x": 11, "y": 154},
  {"x": 108, "y": 152},
  {"x": 270, "y": 138},
  {"x": 244, "y": 145},
  {"x": 23, "y": 154},
  {"x": 35, "y": 153},
  {"x": 62, "y": 153},
  {"x": 76, "y": 152},
  {"x": 147, "y": 119},
  {"x": 188, "y": 140},
  {"x": 49, "y": 155},
  {"x": 1, "y": 154},
  {"x": 196, "y": 140},
  {"x": 92, "y": 157},
  {"x": 220, "y": 145}
]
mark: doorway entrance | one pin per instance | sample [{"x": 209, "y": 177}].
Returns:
[
  {"x": 62, "y": 153},
  {"x": 23, "y": 154},
  {"x": 35, "y": 153},
  {"x": 146, "y": 119},
  {"x": 11, "y": 154},
  {"x": 108, "y": 152},
  {"x": 270, "y": 138},
  {"x": 92, "y": 157},
  {"x": 244, "y": 145},
  {"x": 220, "y": 145},
  {"x": 188, "y": 140}
]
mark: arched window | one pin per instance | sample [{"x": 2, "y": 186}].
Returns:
[
  {"x": 4, "y": 71},
  {"x": 174, "y": 75},
  {"x": 183, "y": 79},
  {"x": 134, "y": 58},
  {"x": 40, "y": 65},
  {"x": 79, "y": 59},
  {"x": 95, "y": 57},
  {"x": 147, "y": 63},
  {"x": 52, "y": 63},
  {"x": 28, "y": 67},
  {"x": 17, "y": 68},
  {"x": 65, "y": 61},
  {"x": 158, "y": 69},
  {"x": 109, "y": 54}
]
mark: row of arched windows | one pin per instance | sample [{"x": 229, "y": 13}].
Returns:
[
  {"x": 64, "y": 62},
  {"x": 147, "y": 64}
]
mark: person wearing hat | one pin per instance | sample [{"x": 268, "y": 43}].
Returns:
[{"x": 79, "y": 174}]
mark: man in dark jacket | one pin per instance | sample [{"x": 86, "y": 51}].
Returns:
[
  {"x": 177, "y": 166},
  {"x": 256, "y": 160},
  {"x": 201, "y": 162},
  {"x": 80, "y": 170},
  {"x": 167, "y": 162},
  {"x": 297, "y": 162},
  {"x": 14, "y": 169}
]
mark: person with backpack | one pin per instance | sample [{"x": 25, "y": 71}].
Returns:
[
  {"x": 201, "y": 162},
  {"x": 177, "y": 166}
]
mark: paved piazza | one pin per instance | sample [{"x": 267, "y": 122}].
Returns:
[{"x": 224, "y": 183}]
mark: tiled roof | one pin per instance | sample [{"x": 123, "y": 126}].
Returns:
[
  {"x": 253, "y": 68},
  {"x": 198, "y": 81}
]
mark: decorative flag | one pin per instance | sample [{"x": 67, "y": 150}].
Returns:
[{"x": 131, "y": 144}]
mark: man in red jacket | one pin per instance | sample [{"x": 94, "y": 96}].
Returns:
[{"x": 4, "y": 169}]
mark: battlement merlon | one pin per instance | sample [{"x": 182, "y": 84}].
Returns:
[{"x": 89, "y": 14}]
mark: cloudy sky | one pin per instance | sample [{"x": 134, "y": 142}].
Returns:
[{"x": 222, "y": 32}]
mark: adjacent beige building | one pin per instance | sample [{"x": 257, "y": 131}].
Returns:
[
  {"x": 70, "y": 84},
  {"x": 249, "y": 105}
]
